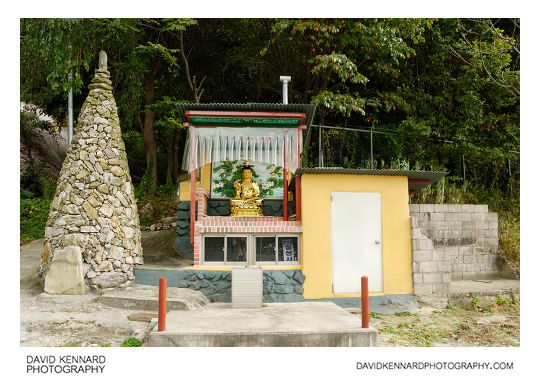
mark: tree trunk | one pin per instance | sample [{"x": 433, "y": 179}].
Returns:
[
  {"x": 148, "y": 128},
  {"x": 170, "y": 157},
  {"x": 173, "y": 161}
]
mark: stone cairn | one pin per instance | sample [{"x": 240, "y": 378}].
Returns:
[{"x": 94, "y": 210}]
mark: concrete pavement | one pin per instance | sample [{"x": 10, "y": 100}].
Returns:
[{"x": 294, "y": 324}]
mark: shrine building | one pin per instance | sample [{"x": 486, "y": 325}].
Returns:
[{"x": 248, "y": 202}]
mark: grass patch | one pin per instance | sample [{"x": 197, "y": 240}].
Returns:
[
  {"x": 374, "y": 315},
  {"x": 131, "y": 342},
  {"x": 403, "y": 313},
  {"x": 72, "y": 344},
  {"x": 417, "y": 335},
  {"x": 454, "y": 326}
]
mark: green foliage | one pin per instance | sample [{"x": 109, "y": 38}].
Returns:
[
  {"x": 342, "y": 103},
  {"x": 374, "y": 315},
  {"x": 131, "y": 342},
  {"x": 500, "y": 300},
  {"x": 339, "y": 64},
  {"x": 144, "y": 188},
  {"x": 72, "y": 344},
  {"x": 403, "y": 313},
  {"x": 417, "y": 335},
  {"x": 446, "y": 190},
  {"x": 509, "y": 235},
  {"x": 34, "y": 213},
  {"x": 433, "y": 91},
  {"x": 161, "y": 198}
]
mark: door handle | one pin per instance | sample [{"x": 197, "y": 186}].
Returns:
[{"x": 377, "y": 242}]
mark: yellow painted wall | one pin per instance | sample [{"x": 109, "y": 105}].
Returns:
[
  {"x": 316, "y": 258},
  {"x": 185, "y": 184}
]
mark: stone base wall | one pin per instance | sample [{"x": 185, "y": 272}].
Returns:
[
  {"x": 278, "y": 285},
  {"x": 451, "y": 243}
]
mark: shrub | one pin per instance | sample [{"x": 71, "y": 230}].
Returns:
[
  {"x": 161, "y": 199},
  {"x": 34, "y": 215}
]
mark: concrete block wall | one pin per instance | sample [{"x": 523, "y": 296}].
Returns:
[{"x": 451, "y": 243}]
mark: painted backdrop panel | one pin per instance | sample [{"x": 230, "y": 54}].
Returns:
[{"x": 225, "y": 173}]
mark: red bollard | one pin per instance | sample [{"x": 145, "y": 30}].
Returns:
[
  {"x": 162, "y": 310},
  {"x": 365, "y": 303}
]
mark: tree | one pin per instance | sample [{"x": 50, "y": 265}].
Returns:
[{"x": 141, "y": 53}]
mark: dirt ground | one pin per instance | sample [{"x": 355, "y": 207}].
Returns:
[
  {"x": 492, "y": 325},
  {"x": 55, "y": 321}
]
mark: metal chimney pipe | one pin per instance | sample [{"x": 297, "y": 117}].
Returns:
[{"x": 285, "y": 80}]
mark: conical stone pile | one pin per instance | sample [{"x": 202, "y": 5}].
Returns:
[{"x": 94, "y": 207}]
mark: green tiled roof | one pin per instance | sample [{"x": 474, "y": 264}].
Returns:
[{"x": 308, "y": 109}]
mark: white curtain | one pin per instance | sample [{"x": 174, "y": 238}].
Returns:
[{"x": 227, "y": 143}]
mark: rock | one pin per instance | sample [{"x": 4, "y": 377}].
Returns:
[
  {"x": 46, "y": 252},
  {"x": 278, "y": 277},
  {"x": 491, "y": 319},
  {"x": 116, "y": 253},
  {"x": 169, "y": 220},
  {"x": 128, "y": 232},
  {"x": 83, "y": 173},
  {"x": 88, "y": 229},
  {"x": 105, "y": 266},
  {"x": 94, "y": 184},
  {"x": 90, "y": 210},
  {"x": 153, "y": 227},
  {"x": 103, "y": 189},
  {"x": 129, "y": 260},
  {"x": 74, "y": 239},
  {"x": 299, "y": 276},
  {"x": 146, "y": 211},
  {"x": 70, "y": 209},
  {"x": 284, "y": 289},
  {"x": 117, "y": 171},
  {"x": 109, "y": 279},
  {"x": 106, "y": 210},
  {"x": 65, "y": 275}
]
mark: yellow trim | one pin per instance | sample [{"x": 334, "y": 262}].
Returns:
[
  {"x": 229, "y": 267},
  {"x": 344, "y": 295}
]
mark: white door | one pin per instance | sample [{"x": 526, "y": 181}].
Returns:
[{"x": 356, "y": 241}]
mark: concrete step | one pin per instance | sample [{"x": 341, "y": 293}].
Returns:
[
  {"x": 145, "y": 297},
  {"x": 295, "y": 324}
]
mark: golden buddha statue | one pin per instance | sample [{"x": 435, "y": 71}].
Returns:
[{"x": 247, "y": 200}]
